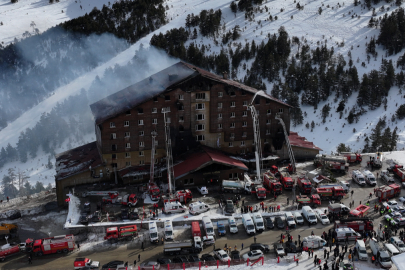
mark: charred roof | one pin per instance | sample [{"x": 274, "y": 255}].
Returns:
[{"x": 158, "y": 83}]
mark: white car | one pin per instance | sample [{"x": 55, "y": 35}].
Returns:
[
  {"x": 252, "y": 255},
  {"x": 392, "y": 203},
  {"x": 322, "y": 217},
  {"x": 221, "y": 255},
  {"x": 279, "y": 249},
  {"x": 397, "y": 208},
  {"x": 402, "y": 199}
]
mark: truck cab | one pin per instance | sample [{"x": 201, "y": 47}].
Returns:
[
  {"x": 86, "y": 262},
  {"x": 233, "y": 227},
  {"x": 260, "y": 192},
  {"x": 154, "y": 192},
  {"x": 286, "y": 180},
  {"x": 289, "y": 218},
  {"x": 248, "y": 224},
  {"x": 221, "y": 228},
  {"x": 304, "y": 185},
  {"x": 258, "y": 221}
]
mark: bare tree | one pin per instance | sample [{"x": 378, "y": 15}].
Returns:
[{"x": 21, "y": 178}]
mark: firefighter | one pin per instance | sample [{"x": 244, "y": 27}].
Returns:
[{"x": 373, "y": 259}]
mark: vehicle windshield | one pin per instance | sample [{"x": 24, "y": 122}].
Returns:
[
  {"x": 324, "y": 217},
  {"x": 401, "y": 245},
  {"x": 262, "y": 192},
  {"x": 386, "y": 259},
  {"x": 169, "y": 233},
  {"x": 312, "y": 217},
  {"x": 361, "y": 179},
  {"x": 279, "y": 248},
  {"x": 363, "y": 251},
  {"x": 153, "y": 235},
  {"x": 299, "y": 218},
  {"x": 224, "y": 255},
  {"x": 250, "y": 227},
  {"x": 307, "y": 185},
  {"x": 259, "y": 224},
  {"x": 210, "y": 230},
  {"x": 233, "y": 226}
]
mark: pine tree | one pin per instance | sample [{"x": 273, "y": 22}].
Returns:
[
  {"x": 234, "y": 7},
  {"x": 394, "y": 139},
  {"x": 325, "y": 112},
  {"x": 39, "y": 187}
]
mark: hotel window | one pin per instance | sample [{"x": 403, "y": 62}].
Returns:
[
  {"x": 268, "y": 111},
  {"x": 242, "y": 143},
  {"x": 126, "y": 123},
  {"x": 142, "y": 162},
  {"x": 181, "y": 118},
  {"x": 219, "y": 126},
  {"x": 113, "y": 136},
  {"x": 199, "y": 117},
  {"x": 140, "y": 111},
  {"x": 141, "y": 144},
  {"x": 200, "y": 96},
  {"x": 244, "y": 114},
  {"x": 200, "y": 138},
  {"x": 127, "y": 155},
  {"x": 220, "y": 105},
  {"x": 245, "y": 103},
  {"x": 244, "y": 134},
  {"x": 181, "y": 107},
  {"x": 268, "y": 122},
  {"x": 233, "y": 104},
  {"x": 232, "y": 115},
  {"x": 281, "y": 110},
  {"x": 220, "y": 115},
  {"x": 141, "y": 133},
  {"x": 127, "y": 163},
  {"x": 140, "y": 122},
  {"x": 232, "y": 93},
  {"x": 167, "y": 98},
  {"x": 220, "y": 94},
  {"x": 244, "y": 124},
  {"x": 114, "y": 147},
  {"x": 154, "y": 121},
  {"x": 230, "y": 144},
  {"x": 154, "y": 110},
  {"x": 200, "y": 106},
  {"x": 128, "y": 145},
  {"x": 199, "y": 127},
  {"x": 181, "y": 97},
  {"x": 127, "y": 134},
  {"x": 112, "y": 125},
  {"x": 232, "y": 125},
  {"x": 128, "y": 112},
  {"x": 232, "y": 135},
  {"x": 114, "y": 156},
  {"x": 267, "y": 131},
  {"x": 141, "y": 153}
]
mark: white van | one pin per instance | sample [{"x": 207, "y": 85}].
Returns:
[
  {"x": 233, "y": 227},
  {"x": 358, "y": 177},
  {"x": 385, "y": 259},
  {"x": 258, "y": 221},
  {"x": 309, "y": 215},
  {"x": 290, "y": 220},
  {"x": 197, "y": 208},
  {"x": 248, "y": 224},
  {"x": 351, "y": 234},
  {"x": 345, "y": 185},
  {"x": 153, "y": 232},
  {"x": 208, "y": 226},
  {"x": 169, "y": 235},
  {"x": 392, "y": 250},
  {"x": 298, "y": 218},
  {"x": 370, "y": 178},
  {"x": 322, "y": 217},
  {"x": 398, "y": 243},
  {"x": 361, "y": 250},
  {"x": 313, "y": 241}
]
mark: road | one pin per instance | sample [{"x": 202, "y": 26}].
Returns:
[{"x": 130, "y": 252}]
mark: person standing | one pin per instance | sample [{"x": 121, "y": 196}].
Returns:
[
  {"x": 139, "y": 257},
  {"x": 142, "y": 246},
  {"x": 78, "y": 246},
  {"x": 242, "y": 245},
  {"x": 8, "y": 198},
  {"x": 29, "y": 260}
]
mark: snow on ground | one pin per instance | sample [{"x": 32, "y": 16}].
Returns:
[
  {"x": 397, "y": 157},
  {"x": 28, "y": 15},
  {"x": 73, "y": 214}
]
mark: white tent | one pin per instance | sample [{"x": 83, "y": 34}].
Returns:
[{"x": 399, "y": 261}]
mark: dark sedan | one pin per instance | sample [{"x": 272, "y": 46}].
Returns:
[
  {"x": 207, "y": 257},
  {"x": 164, "y": 260},
  {"x": 262, "y": 247},
  {"x": 290, "y": 247},
  {"x": 235, "y": 255},
  {"x": 269, "y": 223},
  {"x": 279, "y": 222}
]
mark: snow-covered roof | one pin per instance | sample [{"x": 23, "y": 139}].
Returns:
[
  {"x": 298, "y": 141},
  {"x": 158, "y": 83},
  {"x": 77, "y": 160}
]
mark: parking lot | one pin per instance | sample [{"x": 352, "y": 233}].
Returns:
[{"x": 130, "y": 251}]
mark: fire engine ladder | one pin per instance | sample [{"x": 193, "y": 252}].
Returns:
[
  {"x": 169, "y": 156},
  {"x": 287, "y": 141},
  {"x": 257, "y": 141},
  {"x": 355, "y": 219},
  {"x": 152, "y": 158}
]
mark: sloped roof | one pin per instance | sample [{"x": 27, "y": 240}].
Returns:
[
  {"x": 77, "y": 160},
  {"x": 297, "y": 140},
  {"x": 156, "y": 84},
  {"x": 206, "y": 156}
]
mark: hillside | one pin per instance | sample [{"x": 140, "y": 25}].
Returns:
[{"x": 340, "y": 25}]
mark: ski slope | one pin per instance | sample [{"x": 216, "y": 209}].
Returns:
[{"x": 334, "y": 26}]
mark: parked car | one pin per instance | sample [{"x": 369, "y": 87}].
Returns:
[
  {"x": 252, "y": 255},
  {"x": 235, "y": 255},
  {"x": 279, "y": 249},
  {"x": 229, "y": 207},
  {"x": 279, "y": 222},
  {"x": 262, "y": 247},
  {"x": 269, "y": 223},
  {"x": 112, "y": 265},
  {"x": 221, "y": 255},
  {"x": 207, "y": 257},
  {"x": 164, "y": 260},
  {"x": 133, "y": 215},
  {"x": 83, "y": 218},
  {"x": 402, "y": 199},
  {"x": 290, "y": 247},
  {"x": 193, "y": 258},
  {"x": 124, "y": 214},
  {"x": 87, "y": 207},
  {"x": 149, "y": 265}
]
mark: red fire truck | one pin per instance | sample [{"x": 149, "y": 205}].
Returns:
[
  {"x": 359, "y": 211},
  {"x": 51, "y": 245},
  {"x": 357, "y": 224},
  {"x": 154, "y": 192},
  {"x": 184, "y": 196},
  {"x": 121, "y": 233},
  {"x": 308, "y": 200},
  {"x": 274, "y": 170},
  {"x": 8, "y": 252},
  {"x": 130, "y": 200},
  {"x": 388, "y": 192},
  {"x": 195, "y": 229},
  {"x": 304, "y": 185},
  {"x": 271, "y": 183},
  {"x": 352, "y": 157},
  {"x": 399, "y": 171},
  {"x": 286, "y": 180},
  {"x": 331, "y": 193},
  {"x": 260, "y": 192}
]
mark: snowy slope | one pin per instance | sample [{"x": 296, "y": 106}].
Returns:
[
  {"x": 334, "y": 25},
  {"x": 17, "y": 18}
]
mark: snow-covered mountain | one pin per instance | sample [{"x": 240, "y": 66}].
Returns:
[{"x": 340, "y": 24}]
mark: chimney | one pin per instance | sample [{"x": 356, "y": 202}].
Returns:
[
  {"x": 172, "y": 77},
  {"x": 225, "y": 75}
]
